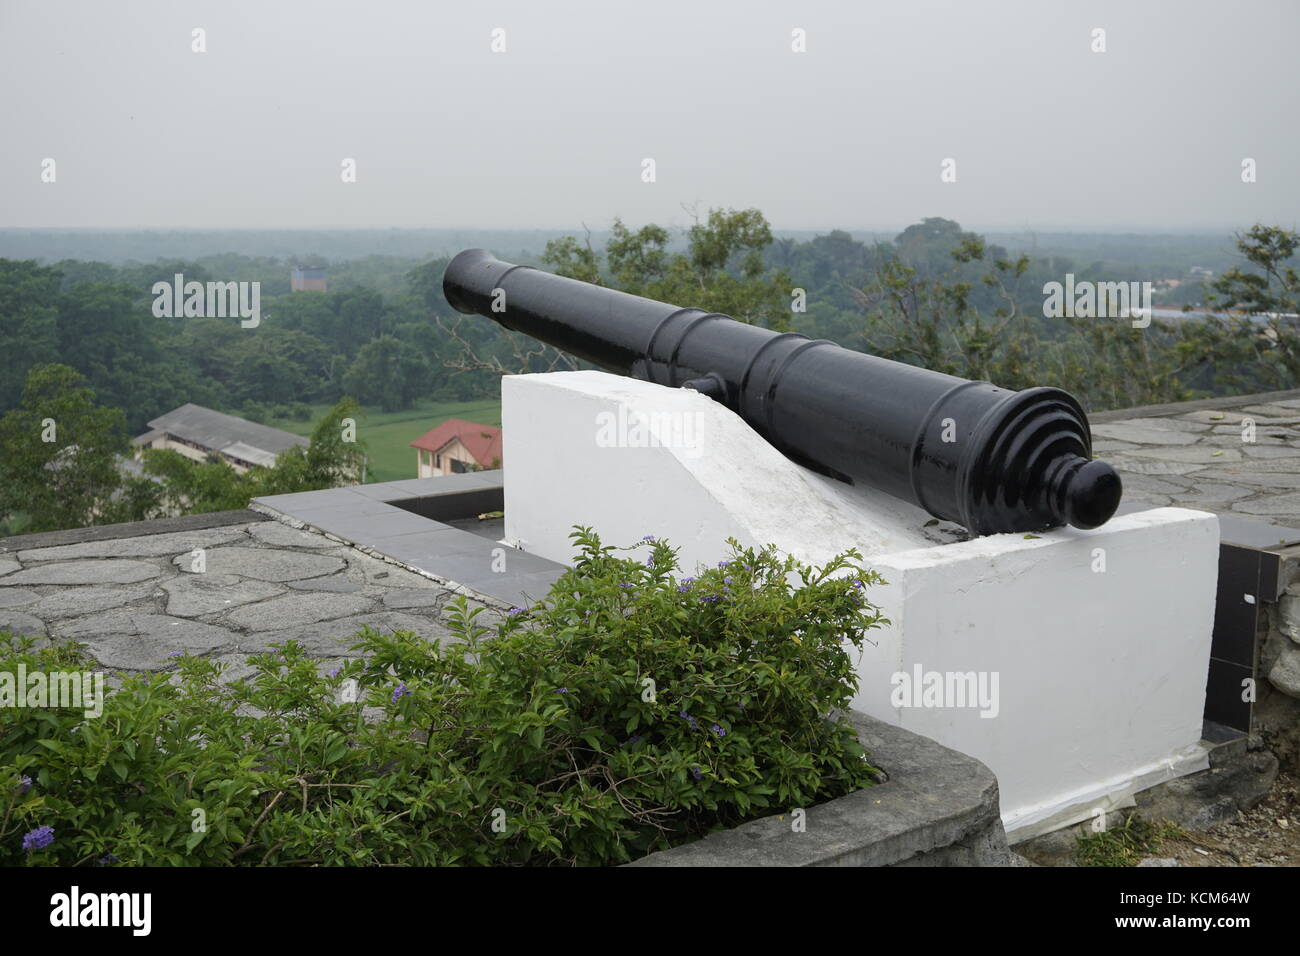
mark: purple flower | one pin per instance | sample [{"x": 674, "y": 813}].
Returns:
[
  {"x": 24, "y": 784},
  {"x": 561, "y": 690},
  {"x": 176, "y": 654},
  {"x": 335, "y": 672},
  {"x": 710, "y": 599},
  {"x": 726, "y": 580},
  {"x": 695, "y": 772},
  {"x": 724, "y": 564},
  {"x": 627, "y": 584},
  {"x": 38, "y": 839},
  {"x": 514, "y": 612},
  {"x": 719, "y": 731},
  {"x": 650, "y": 561},
  {"x": 400, "y": 691},
  {"x": 107, "y": 859},
  {"x": 631, "y": 740},
  {"x": 688, "y": 718},
  {"x": 857, "y": 583},
  {"x": 650, "y": 538}
]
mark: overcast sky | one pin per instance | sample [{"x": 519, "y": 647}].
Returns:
[{"x": 1147, "y": 136}]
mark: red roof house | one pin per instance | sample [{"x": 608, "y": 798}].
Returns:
[{"x": 456, "y": 446}]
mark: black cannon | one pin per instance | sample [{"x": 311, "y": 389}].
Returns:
[{"x": 990, "y": 459}]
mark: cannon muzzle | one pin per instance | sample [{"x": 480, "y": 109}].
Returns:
[{"x": 985, "y": 457}]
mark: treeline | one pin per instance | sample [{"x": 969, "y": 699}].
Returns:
[
  {"x": 945, "y": 299},
  {"x": 934, "y": 295},
  {"x": 309, "y": 347}
]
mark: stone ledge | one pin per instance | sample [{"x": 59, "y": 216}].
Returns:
[
  {"x": 938, "y": 808},
  {"x": 129, "y": 529},
  {"x": 1178, "y": 408}
]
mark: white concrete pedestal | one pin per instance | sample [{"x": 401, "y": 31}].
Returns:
[{"x": 1096, "y": 642}]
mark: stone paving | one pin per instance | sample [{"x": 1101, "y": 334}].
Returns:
[
  {"x": 1207, "y": 456},
  {"x": 135, "y": 601}
]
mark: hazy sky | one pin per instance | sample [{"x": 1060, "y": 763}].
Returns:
[{"x": 1147, "y": 136}]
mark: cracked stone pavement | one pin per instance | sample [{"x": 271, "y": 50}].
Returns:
[{"x": 136, "y": 601}]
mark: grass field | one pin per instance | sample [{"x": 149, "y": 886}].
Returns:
[{"x": 387, "y": 435}]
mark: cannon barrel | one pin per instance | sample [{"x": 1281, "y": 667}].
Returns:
[{"x": 985, "y": 457}]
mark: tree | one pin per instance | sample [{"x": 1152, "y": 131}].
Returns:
[
  {"x": 28, "y": 323},
  {"x": 60, "y": 466},
  {"x": 933, "y": 322},
  {"x": 722, "y": 270},
  {"x": 277, "y": 366},
  {"x": 1270, "y": 298},
  {"x": 387, "y": 372}
]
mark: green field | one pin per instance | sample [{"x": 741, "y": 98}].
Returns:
[{"x": 387, "y": 435}]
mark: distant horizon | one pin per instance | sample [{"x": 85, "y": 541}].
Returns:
[{"x": 776, "y": 229}]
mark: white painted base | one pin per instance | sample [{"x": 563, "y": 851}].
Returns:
[
  {"x": 1100, "y": 673},
  {"x": 1101, "y": 667}
]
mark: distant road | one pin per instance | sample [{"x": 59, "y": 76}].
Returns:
[{"x": 1178, "y": 315}]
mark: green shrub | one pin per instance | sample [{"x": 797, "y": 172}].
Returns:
[{"x": 629, "y": 711}]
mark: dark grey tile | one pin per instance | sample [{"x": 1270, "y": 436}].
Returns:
[
  {"x": 516, "y": 590},
  {"x": 372, "y": 527},
  {"x": 356, "y": 505},
  {"x": 307, "y": 499},
  {"x": 445, "y": 485},
  {"x": 383, "y": 491},
  {"x": 424, "y": 550}
]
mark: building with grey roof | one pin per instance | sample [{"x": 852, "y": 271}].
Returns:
[{"x": 198, "y": 432}]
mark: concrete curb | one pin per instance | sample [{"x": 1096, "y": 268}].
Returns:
[
  {"x": 129, "y": 529},
  {"x": 938, "y": 808},
  {"x": 1180, "y": 408}
]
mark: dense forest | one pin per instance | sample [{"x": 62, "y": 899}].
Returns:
[{"x": 933, "y": 294}]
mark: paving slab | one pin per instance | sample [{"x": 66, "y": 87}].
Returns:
[
  {"x": 1272, "y": 451},
  {"x": 1206, "y": 492},
  {"x": 335, "y": 638},
  {"x": 1141, "y": 432},
  {"x": 297, "y": 608},
  {"x": 264, "y": 564},
  {"x": 1190, "y": 454},
  {"x": 17, "y": 597},
  {"x": 90, "y": 571},
  {"x": 337, "y": 584},
  {"x": 280, "y": 535},
  {"x": 402, "y": 598},
  {"x": 74, "y": 602},
  {"x": 1287, "y": 504},
  {"x": 145, "y": 546},
  {"x": 194, "y": 595},
  {"x": 25, "y": 625}
]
